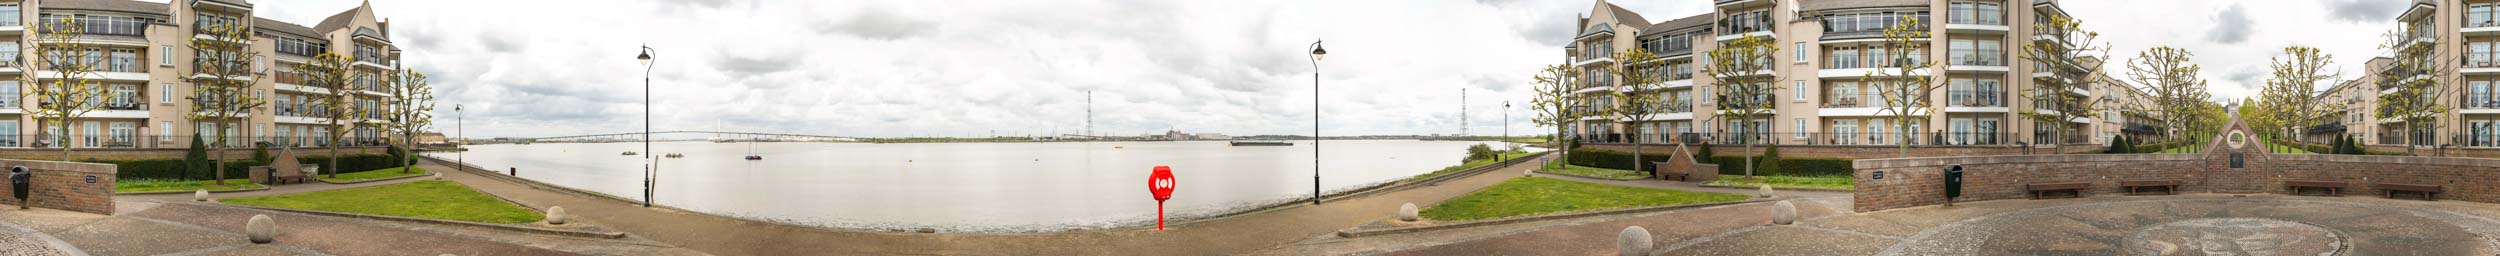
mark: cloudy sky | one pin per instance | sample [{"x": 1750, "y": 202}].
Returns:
[{"x": 880, "y": 68}]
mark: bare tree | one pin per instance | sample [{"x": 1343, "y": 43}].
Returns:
[
  {"x": 65, "y": 88},
  {"x": 2178, "y": 93},
  {"x": 1743, "y": 70},
  {"x": 335, "y": 72},
  {"x": 2074, "y": 65},
  {"x": 2418, "y": 76},
  {"x": 1553, "y": 103},
  {"x": 221, "y": 81},
  {"x": 411, "y": 110},
  {"x": 1904, "y": 79},
  {"x": 2290, "y": 98},
  {"x": 1638, "y": 71}
]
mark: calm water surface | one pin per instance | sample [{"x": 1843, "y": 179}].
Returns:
[{"x": 976, "y": 187}]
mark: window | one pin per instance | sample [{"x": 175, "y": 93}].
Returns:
[
  {"x": 165, "y": 93},
  {"x": 1801, "y": 52},
  {"x": 1801, "y": 128},
  {"x": 2479, "y": 95},
  {"x": 8, "y": 133},
  {"x": 1847, "y": 131},
  {"x": 9, "y": 95},
  {"x": 94, "y": 135},
  {"x": 1844, "y": 57},
  {"x": 1877, "y": 58},
  {"x": 165, "y": 131},
  {"x": 1845, "y": 93},
  {"x": 2479, "y": 54},
  {"x": 123, "y": 134},
  {"x": 9, "y": 54},
  {"x": 2480, "y": 15},
  {"x": 1799, "y": 90},
  {"x": 9, "y": 17}
]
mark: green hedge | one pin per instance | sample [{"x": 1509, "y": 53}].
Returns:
[
  {"x": 1728, "y": 165},
  {"x": 173, "y": 168}
]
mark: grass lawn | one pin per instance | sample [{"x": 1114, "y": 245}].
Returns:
[
  {"x": 1469, "y": 164},
  {"x": 422, "y": 199},
  {"x": 384, "y": 173},
  {"x": 1560, "y": 168},
  {"x": 1536, "y": 195},
  {"x": 1825, "y": 182},
  {"x": 161, "y": 185}
]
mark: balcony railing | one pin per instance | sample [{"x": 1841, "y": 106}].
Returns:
[
  {"x": 1975, "y": 99},
  {"x": 1842, "y": 103},
  {"x": 2481, "y": 103},
  {"x": 1984, "y": 58}
]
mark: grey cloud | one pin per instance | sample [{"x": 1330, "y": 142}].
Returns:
[
  {"x": 2248, "y": 77},
  {"x": 752, "y": 66},
  {"x": 2231, "y": 26},
  {"x": 702, "y": 3},
  {"x": 1488, "y": 82},
  {"x": 877, "y": 23},
  {"x": 2365, "y": 11},
  {"x": 502, "y": 43}
]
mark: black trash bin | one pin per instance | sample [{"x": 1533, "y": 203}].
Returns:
[
  {"x": 1952, "y": 183},
  {"x": 19, "y": 181}
]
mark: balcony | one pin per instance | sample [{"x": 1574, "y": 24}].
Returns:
[
  {"x": 1971, "y": 100},
  {"x": 2487, "y": 28},
  {"x": 1766, "y": 35},
  {"x": 2479, "y": 105},
  {"x": 1983, "y": 62},
  {"x": 2484, "y": 67},
  {"x": 1594, "y": 61}
]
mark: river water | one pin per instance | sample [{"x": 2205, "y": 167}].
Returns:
[{"x": 969, "y": 187}]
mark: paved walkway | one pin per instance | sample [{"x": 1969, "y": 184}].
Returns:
[
  {"x": 1580, "y": 236},
  {"x": 1228, "y": 235}
]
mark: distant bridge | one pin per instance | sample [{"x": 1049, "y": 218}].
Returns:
[{"x": 657, "y": 135}]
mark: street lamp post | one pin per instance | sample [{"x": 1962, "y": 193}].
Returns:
[
  {"x": 648, "y": 168},
  {"x": 460, "y": 127},
  {"x": 1316, "y": 53},
  {"x": 1505, "y": 129}
]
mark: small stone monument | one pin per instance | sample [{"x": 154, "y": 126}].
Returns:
[
  {"x": 199, "y": 195},
  {"x": 1633, "y": 242},
  {"x": 1407, "y": 212},
  {"x": 1766, "y": 190},
  {"x": 555, "y": 215},
  {"x": 261, "y": 229},
  {"x": 1783, "y": 213}
]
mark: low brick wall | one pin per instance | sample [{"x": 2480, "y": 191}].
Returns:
[
  {"x": 1860, "y": 151},
  {"x": 1911, "y": 182},
  {"x": 64, "y": 185}
]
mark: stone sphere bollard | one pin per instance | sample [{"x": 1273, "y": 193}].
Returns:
[
  {"x": 1408, "y": 212},
  {"x": 1766, "y": 190},
  {"x": 199, "y": 195},
  {"x": 555, "y": 215},
  {"x": 1634, "y": 241},
  {"x": 1783, "y": 213},
  {"x": 261, "y": 229}
]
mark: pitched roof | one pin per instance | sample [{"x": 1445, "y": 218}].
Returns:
[
  {"x": 109, "y": 5},
  {"x": 1701, "y": 20},
  {"x": 1813, "y": 5},
  {"x": 266, "y": 24},
  {"x": 1627, "y": 17},
  {"x": 337, "y": 21}
]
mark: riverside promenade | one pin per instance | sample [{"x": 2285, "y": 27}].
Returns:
[{"x": 1237, "y": 234}]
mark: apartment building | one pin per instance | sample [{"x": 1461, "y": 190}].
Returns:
[
  {"x": 2465, "y": 35},
  {"x": 143, "y": 48},
  {"x": 1825, "y": 48}
]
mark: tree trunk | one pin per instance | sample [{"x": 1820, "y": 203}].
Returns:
[
  {"x": 1636, "y": 158},
  {"x": 334, "y": 157},
  {"x": 217, "y": 165}
]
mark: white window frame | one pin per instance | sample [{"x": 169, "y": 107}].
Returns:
[
  {"x": 166, "y": 55},
  {"x": 164, "y": 131},
  {"x": 1800, "y": 52},
  {"x": 165, "y": 93},
  {"x": 1800, "y": 90},
  {"x": 1801, "y": 128}
]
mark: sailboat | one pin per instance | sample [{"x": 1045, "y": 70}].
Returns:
[{"x": 751, "y": 156}]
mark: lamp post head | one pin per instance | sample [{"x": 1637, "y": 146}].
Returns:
[
  {"x": 645, "y": 57},
  {"x": 1318, "y": 52}
]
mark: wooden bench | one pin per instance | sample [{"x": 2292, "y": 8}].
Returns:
[
  {"x": 2170, "y": 186},
  {"x": 2039, "y": 188},
  {"x": 1663, "y": 173},
  {"x": 2332, "y": 188},
  {"x": 2429, "y": 192}
]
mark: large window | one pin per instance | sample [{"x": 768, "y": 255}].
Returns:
[
  {"x": 1982, "y": 13},
  {"x": 9, "y": 17},
  {"x": 1844, "y": 57},
  {"x": 124, "y": 60},
  {"x": 9, "y": 54},
  {"x": 1866, "y": 24},
  {"x": 102, "y": 25},
  {"x": 1745, "y": 22},
  {"x": 8, "y": 133},
  {"x": 2481, "y": 15},
  {"x": 2479, "y": 54},
  {"x": 2479, "y": 95},
  {"x": 300, "y": 47},
  {"x": 124, "y": 134},
  {"x": 1966, "y": 52},
  {"x": 9, "y": 95}
]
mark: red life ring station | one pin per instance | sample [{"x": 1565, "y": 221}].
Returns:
[{"x": 1160, "y": 183}]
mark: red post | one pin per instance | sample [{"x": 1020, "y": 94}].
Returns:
[{"x": 1158, "y": 215}]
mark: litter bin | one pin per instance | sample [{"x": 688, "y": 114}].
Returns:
[
  {"x": 1952, "y": 183},
  {"x": 19, "y": 181}
]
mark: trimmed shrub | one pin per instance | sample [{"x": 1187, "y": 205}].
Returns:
[
  {"x": 195, "y": 160},
  {"x": 1611, "y": 159},
  {"x": 1703, "y": 155},
  {"x": 260, "y": 152},
  {"x": 1770, "y": 160},
  {"x": 1734, "y": 165},
  {"x": 129, "y": 169},
  {"x": 1477, "y": 152}
]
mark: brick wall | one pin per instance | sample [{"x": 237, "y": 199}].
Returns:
[
  {"x": 64, "y": 185},
  {"x": 1910, "y": 182},
  {"x": 160, "y": 153},
  {"x": 1859, "y": 151}
]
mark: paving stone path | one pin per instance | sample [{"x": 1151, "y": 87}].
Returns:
[{"x": 23, "y": 243}]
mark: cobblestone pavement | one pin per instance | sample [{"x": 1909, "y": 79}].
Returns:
[
  {"x": 2195, "y": 224},
  {"x": 24, "y": 242}
]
